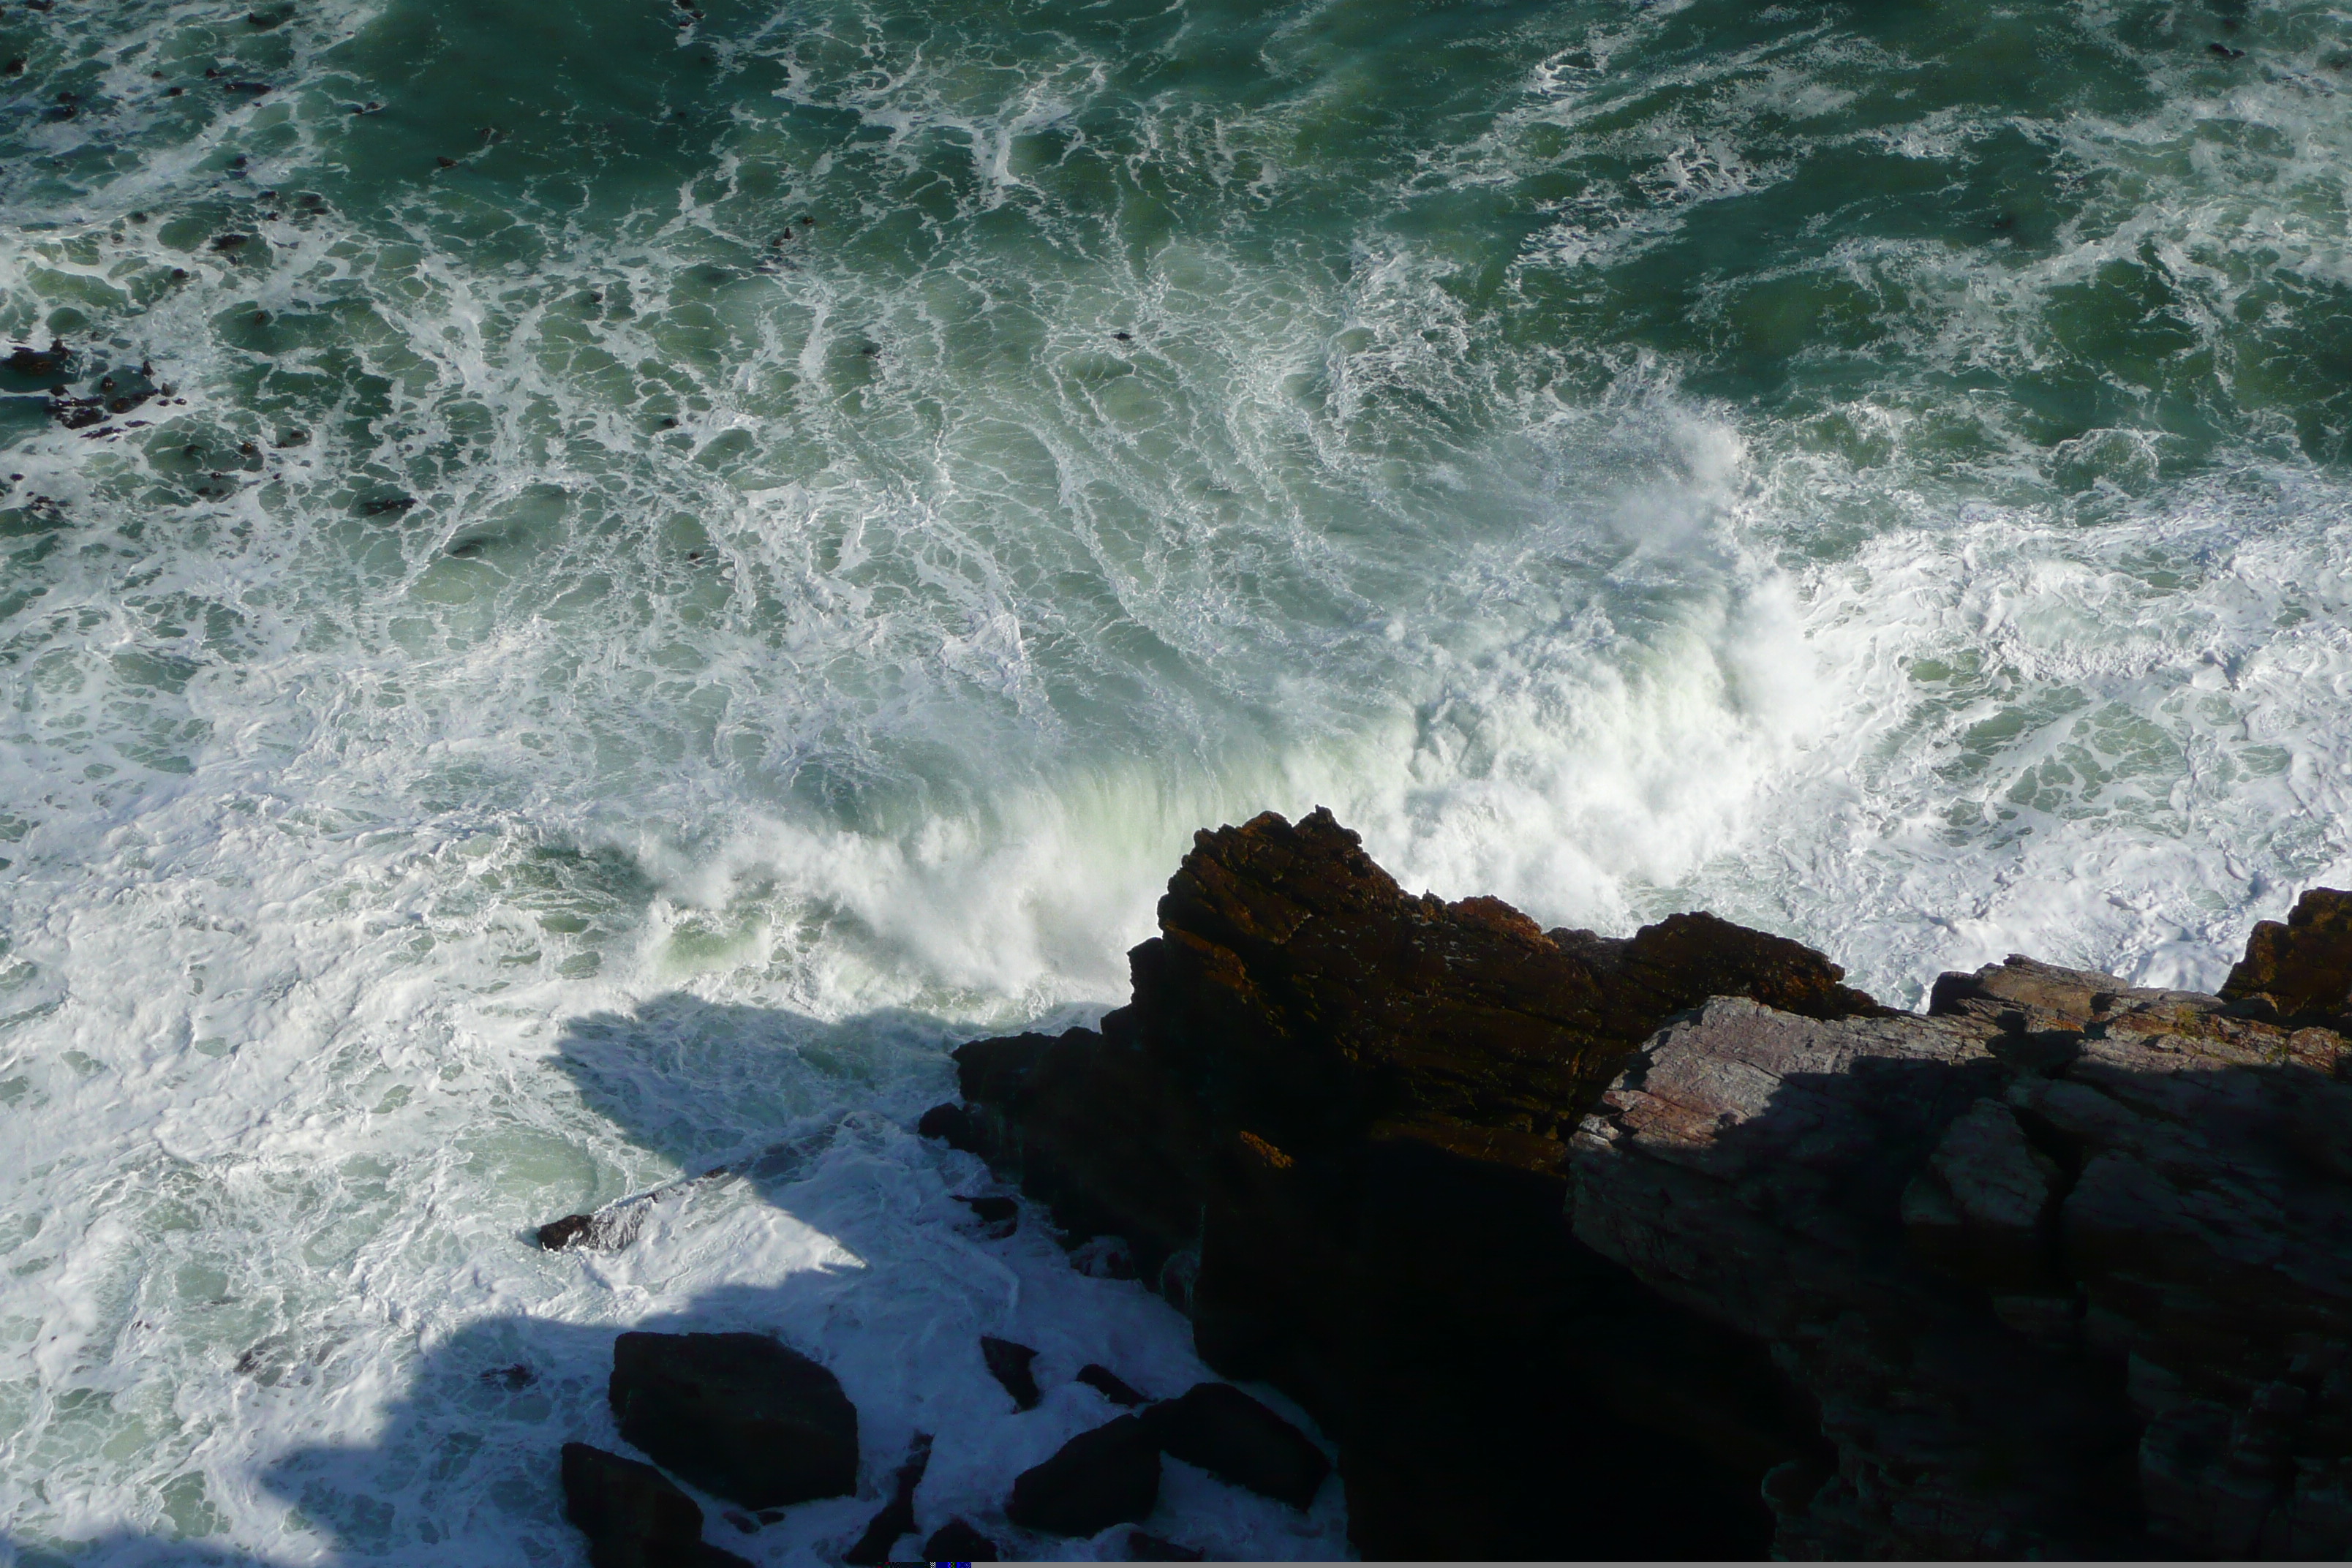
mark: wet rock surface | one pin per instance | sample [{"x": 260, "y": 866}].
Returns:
[
  {"x": 1009, "y": 1363},
  {"x": 2061, "y": 1267},
  {"x": 633, "y": 1516},
  {"x": 1226, "y": 1433},
  {"x": 959, "y": 1541},
  {"x": 1101, "y": 1478},
  {"x": 2066, "y": 1265},
  {"x": 897, "y": 1517},
  {"x": 740, "y": 1415},
  {"x": 1332, "y": 1125}
]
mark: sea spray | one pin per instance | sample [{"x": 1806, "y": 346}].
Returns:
[{"x": 690, "y": 561}]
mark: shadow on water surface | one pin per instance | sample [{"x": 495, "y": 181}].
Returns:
[
  {"x": 834, "y": 1227},
  {"x": 840, "y": 1234}
]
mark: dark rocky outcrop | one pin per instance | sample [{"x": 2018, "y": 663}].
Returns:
[
  {"x": 1680, "y": 1244},
  {"x": 1226, "y": 1432},
  {"x": 1332, "y": 1125},
  {"x": 1143, "y": 1548},
  {"x": 2066, "y": 1265},
  {"x": 2300, "y": 973},
  {"x": 1098, "y": 1478},
  {"x": 958, "y": 1541},
  {"x": 897, "y": 1517},
  {"x": 633, "y": 1516},
  {"x": 740, "y": 1415},
  {"x": 1009, "y": 1363},
  {"x": 557, "y": 1234}
]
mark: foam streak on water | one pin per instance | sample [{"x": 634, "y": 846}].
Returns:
[{"x": 618, "y": 649}]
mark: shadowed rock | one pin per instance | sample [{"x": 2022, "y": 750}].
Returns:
[
  {"x": 633, "y": 1516},
  {"x": 2064, "y": 1265},
  {"x": 1143, "y": 1548},
  {"x": 897, "y": 1517},
  {"x": 1226, "y": 1432},
  {"x": 737, "y": 1415},
  {"x": 949, "y": 1125},
  {"x": 1009, "y": 1363},
  {"x": 999, "y": 1216},
  {"x": 957, "y": 1542},
  {"x": 1098, "y": 1478},
  {"x": 1332, "y": 1125},
  {"x": 2062, "y": 1268},
  {"x": 1103, "y": 1381}
]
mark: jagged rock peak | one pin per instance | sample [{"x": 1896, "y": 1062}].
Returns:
[{"x": 2301, "y": 972}]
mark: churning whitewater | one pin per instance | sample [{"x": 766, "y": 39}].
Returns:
[{"x": 608, "y": 580}]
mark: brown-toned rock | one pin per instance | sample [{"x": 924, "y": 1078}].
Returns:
[
  {"x": 2061, "y": 1268},
  {"x": 1332, "y": 1125},
  {"x": 740, "y": 1415},
  {"x": 959, "y": 1541},
  {"x": 2301, "y": 971},
  {"x": 2105, "y": 1313},
  {"x": 557, "y": 1234}
]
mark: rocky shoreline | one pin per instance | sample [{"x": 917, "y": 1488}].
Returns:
[{"x": 1677, "y": 1246}]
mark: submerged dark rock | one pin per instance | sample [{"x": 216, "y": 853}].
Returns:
[
  {"x": 633, "y": 1516},
  {"x": 740, "y": 1415},
  {"x": 1098, "y": 1478},
  {"x": 1143, "y": 1548},
  {"x": 39, "y": 365},
  {"x": 1226, "y": 1432}
]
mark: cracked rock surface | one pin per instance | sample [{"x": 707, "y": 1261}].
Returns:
[
  {"x": 2065, "y": 1265},
  {"x": 1675, "y": 1245}
]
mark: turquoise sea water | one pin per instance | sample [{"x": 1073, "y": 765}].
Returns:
[{"x": 693, "y": 556}]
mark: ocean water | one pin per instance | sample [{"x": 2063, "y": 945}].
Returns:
[{"x": 693, "y": 558}]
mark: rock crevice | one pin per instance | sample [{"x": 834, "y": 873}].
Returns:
[{"x": 1679, "y": 1238}]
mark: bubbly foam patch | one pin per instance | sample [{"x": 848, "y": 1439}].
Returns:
[{"x": 616, "y": 649}]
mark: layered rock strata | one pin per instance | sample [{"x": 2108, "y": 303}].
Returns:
[
  {"x": 2066, "y": 1265},
  {"x": 1677, "y": 1246},
  {"x": 1333, "y": 1125}
]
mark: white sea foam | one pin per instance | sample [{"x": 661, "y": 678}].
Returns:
[{"x": 385, "y": 884}]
